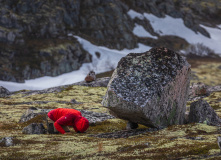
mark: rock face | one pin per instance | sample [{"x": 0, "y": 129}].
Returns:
[
  {"x": 201, "y": 111},
  {"x": 34, "y": 128},
  {"x": 49, "y": 58},
  {"x": 4, "y": 92},
  {"x": 34, "y": 39},
  {"x": 150, "y": 88}
]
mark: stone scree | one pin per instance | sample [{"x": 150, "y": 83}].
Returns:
[{"x": 150, "y": 88}]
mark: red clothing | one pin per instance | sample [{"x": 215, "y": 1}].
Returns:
[{"x": 68, "y": 117}]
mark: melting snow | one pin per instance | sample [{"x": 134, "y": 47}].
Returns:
[
  {"x": 175, "y": 26},
  {"x": 107, "y": 61},
  {"x": 141, "y": 32}
]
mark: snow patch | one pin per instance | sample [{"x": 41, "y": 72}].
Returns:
[
  {"x": 175, "y": 26},
  {"x": 108, "y": 60},
  {"x": 141, "y": 32}
]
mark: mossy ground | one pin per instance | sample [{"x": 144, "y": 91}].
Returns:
[
  {"x": 206, "y": 70},
  {"x": 179, "y": 141}
]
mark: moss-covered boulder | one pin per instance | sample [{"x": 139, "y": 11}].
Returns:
[{"x": 150, "y": 88}]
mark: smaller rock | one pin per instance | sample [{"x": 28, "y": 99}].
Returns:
[
  {"x": 99, "y": 55},
  {"x": 6, "y": 142},
  {"x": 31, "y": 113},
  {"x": 199, "y": 138},
  {"x": 73, "y": 101},
  {"x": 195, "y": 138},
  {"x": 198, "y": 89},
  {"x": 4, "y": 92},
  {"x": 94, "y": 117},
  {"x": 90, "y": 77},
  {"x": 34, "y": 128},
  {"x": 131, "y": 125},
  {"x": 100, "y": 82},
  {"x": 201, "y": 111},
  {"x": 219, "y": 142},
  {"x": 214, "y": 88}
]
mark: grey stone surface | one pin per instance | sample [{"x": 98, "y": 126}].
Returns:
[
  {"x": 202, "y": 112},
  {"x": 198, "y": 91},
  {"x": 6, "y": 142},
  {"x": 4, "y": 92},
  {"x": 34, "y": 128},
  {"x": 150, "y": 88},
  {"x": 99, "y": 82},
  {"x": 31, "y": 113},
  {"x": 94, "y": 117}
]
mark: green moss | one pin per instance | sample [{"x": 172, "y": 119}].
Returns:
[
  {"x": 168, "y": 143},
  {"x": 208, "y": 73},
  {"x": 37, "y": 119},
  {"x": 111, "y": 125}
]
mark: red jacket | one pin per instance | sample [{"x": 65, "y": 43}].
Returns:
[{"x": 68, "y": 117}]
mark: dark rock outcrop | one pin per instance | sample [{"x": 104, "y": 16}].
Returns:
[
  {"x": 201, "y": 111},
  {"x": 4, "y": 92},
  {"x": 37, "y": 60},
  {"x": 34, "y": 128},
  {"x": 34, "y": 39},
  {"x": 150, "y": 88}
]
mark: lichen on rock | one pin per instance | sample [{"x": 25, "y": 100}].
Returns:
[{"x": 150, "y": 88}]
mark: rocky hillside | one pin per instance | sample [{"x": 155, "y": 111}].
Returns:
[{"x": 34, "y": 38}]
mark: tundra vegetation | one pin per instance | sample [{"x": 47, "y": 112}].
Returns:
[{"x": 195, "y": 140}]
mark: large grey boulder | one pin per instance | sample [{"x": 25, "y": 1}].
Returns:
[
  {"x": 201, "y": 111},
  {"x": 150, "y": 88}
]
